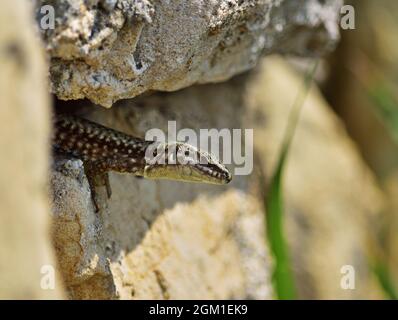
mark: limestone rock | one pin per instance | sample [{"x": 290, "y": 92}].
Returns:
[
  {"x": 106, "y": 50},
  {"x": 27, "y": 265}
]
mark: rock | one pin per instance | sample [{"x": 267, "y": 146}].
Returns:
[
  {"x": 140, "y": 249},
  {"x": 106, "y": 50},
  {"x": 27, "y": 264},
  {"x": 76, "y": 234}
]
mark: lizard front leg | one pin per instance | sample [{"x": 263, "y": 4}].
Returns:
[{"x": 96, "y": 179}]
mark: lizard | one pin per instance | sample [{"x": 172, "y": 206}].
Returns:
[{"x": 103, "y": 150}]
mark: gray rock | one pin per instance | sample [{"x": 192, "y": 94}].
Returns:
[{"x": 106, "y": 50}]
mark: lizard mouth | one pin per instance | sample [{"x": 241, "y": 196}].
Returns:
[
  {"x": 214, "y": 173},
  {"x": 187, "y": 173}
]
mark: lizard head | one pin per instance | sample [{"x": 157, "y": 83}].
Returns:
[{"x": 183, "y": 162}]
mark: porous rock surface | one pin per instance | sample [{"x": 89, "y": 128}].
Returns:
[
  {"x": 106, "y": 50},
  {"x": 28, "y": 268}
]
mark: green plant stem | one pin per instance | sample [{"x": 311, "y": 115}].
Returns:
[{"x": 282, "y": 275}]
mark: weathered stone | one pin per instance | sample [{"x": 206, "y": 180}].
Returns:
[
  {"x": 27, "y": 265},
  {"x": 156, "y": 241},
  {"x": 109, "y": 50}
]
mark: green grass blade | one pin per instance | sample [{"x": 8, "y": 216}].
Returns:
[
  {"x": 383, "y": 276},
  {"x": 386, "y": 107},
  {"x": 283, "y": 279}
]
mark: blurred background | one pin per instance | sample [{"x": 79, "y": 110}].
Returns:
[{"x": 362, "y": 88}]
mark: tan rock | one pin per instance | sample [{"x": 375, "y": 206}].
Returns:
[{"x": 27, "y": 265}]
